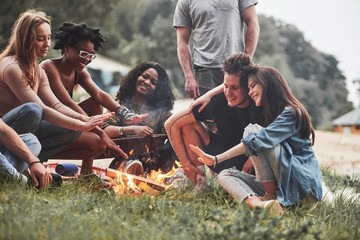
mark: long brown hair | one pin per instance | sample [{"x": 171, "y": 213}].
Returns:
[
  {"x": 277, "y": 95},
  {"x": 21, "y": 43}
]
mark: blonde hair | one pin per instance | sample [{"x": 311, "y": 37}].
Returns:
[{"x": 21, "y": 43}]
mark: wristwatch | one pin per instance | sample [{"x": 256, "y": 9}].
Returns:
[{"x": 121, "y": 132}]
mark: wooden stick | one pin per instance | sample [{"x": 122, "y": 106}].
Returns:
[{"x": 115, "y": 173}]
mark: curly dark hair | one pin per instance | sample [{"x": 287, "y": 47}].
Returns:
[
  {"x": 162, "y": 96},
  {"x": 69, "y": 34}
]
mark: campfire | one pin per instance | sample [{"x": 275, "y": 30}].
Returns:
[{"x": 149, "y": 181}]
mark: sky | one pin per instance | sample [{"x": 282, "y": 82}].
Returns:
[{"x": 331, "y": 26}]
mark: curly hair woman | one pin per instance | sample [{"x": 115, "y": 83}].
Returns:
[{"x": 145, "y": 89}]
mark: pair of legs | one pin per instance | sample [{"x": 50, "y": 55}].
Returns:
[
  {"x": 183, "y": 129},
  {"x": 248, "y": 188},
  {"x": 50, "y": 138},
  {"x": 89, "y": 145}
]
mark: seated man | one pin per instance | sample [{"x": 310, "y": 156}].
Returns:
[
  {"x": 17, "y": 153},
  {"x": 231, "y": 110}
]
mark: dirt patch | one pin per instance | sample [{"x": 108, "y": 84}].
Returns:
[{"x": 338, "y": 152}]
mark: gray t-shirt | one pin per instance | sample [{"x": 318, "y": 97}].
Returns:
[{"x": 218, "y": 30}]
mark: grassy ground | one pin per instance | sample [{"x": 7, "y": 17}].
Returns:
[{"x": 76, "y": 210}]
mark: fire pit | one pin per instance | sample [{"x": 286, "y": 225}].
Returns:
[{"x": 153, "y": 152}]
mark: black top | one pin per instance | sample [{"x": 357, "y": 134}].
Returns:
[{"x": 230, "y": 123}]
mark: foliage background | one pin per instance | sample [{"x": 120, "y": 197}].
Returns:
[{"x": 140, "y": 30}]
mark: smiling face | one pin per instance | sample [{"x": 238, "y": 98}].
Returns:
[
  {"x": 234, "y": 93},
  {"x": 255, "y": 91},
  {"x": 72, "y": 54},
  {"x": 42, "y": 39},
  {"x": 147, "y": 81}
]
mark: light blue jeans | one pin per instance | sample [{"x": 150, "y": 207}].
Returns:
[
  {"x": 27, "y": 118},
  {"x": 241, "y": 185},
  {"x": 11, "y": 164}
]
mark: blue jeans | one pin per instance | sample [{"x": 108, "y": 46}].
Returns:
[
  {"x": 11, "y": 164},
  {"x": 27, "y": 118},
  {"x": 241, "y": 185}
]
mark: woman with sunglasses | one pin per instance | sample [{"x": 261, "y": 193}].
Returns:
[
  {"x": 78, "y": 43},
  {"x": 281, "y": 152}
]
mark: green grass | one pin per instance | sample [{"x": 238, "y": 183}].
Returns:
[{"x": 77, "y": 211}]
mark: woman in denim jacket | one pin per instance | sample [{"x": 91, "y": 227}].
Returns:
[{"x": 282, "y": 155}]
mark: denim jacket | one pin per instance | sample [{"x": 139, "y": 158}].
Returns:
[{"x": 299, "y": 172}]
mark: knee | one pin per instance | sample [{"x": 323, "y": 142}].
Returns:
[
  {"x": 251, "y": 129},
  {"x": 33, "y": 111},
  {"x": 167, "y": 125},
  {"x": 98, "y": 148},
  {"x": 32, "y": 142}
]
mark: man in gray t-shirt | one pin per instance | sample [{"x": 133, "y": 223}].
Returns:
[{"x": 218, "y": 32}]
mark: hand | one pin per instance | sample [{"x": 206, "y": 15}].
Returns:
[
  {"x": 110, "y": 144},
  {"x": 248, "y": 167},
  {"x": 136, "y": 119},
  {"x": 40, "y": 175},
  {"x": 203, "y": 100},
  {"x": 192, "y": 88},
  {"x": 143, "y": 131},
  {"x": 203, "y": 157},
  {"x": 94, "y": 121}
]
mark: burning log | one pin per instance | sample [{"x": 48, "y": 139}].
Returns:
[{"x": 130, "y": 177}]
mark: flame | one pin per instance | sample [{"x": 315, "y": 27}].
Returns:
[
  {"x": 161, "y": 177},
  {"x": 123, "y": 183},
  {"x": 131, "y": 152}
]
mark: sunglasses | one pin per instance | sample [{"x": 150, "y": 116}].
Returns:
[{"x": 85, "y": 54}]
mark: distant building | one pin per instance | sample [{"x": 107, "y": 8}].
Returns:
[
  {"x": 348, "y": 123},
  {"x": 107, "y": 73}
]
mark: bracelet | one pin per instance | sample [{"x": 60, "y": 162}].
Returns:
[
  {"x": 121, "y": 132},
  {"x": 216, "y": 161},
  {"x": 34, "y": 163}
]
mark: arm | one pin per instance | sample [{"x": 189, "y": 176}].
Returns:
[
  {"x": 253, "y": 30},
  {"x": 14, "y": 144},
  {"x": 104, "y": 99},
  {"x": 19, "y": 86},
  {"x": 58, "y": 87},
  {"x": 283, "y": 127},
  {"x": 211, "y": 160},
  {"x": 184, "y": 55},
  {"x": 205, "y": 99},
  {"x": 114, "y": 131}
]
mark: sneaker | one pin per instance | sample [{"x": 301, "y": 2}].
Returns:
[
  {"x": 134, "y": 167},
  {"x": 274, "y": 207}
]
